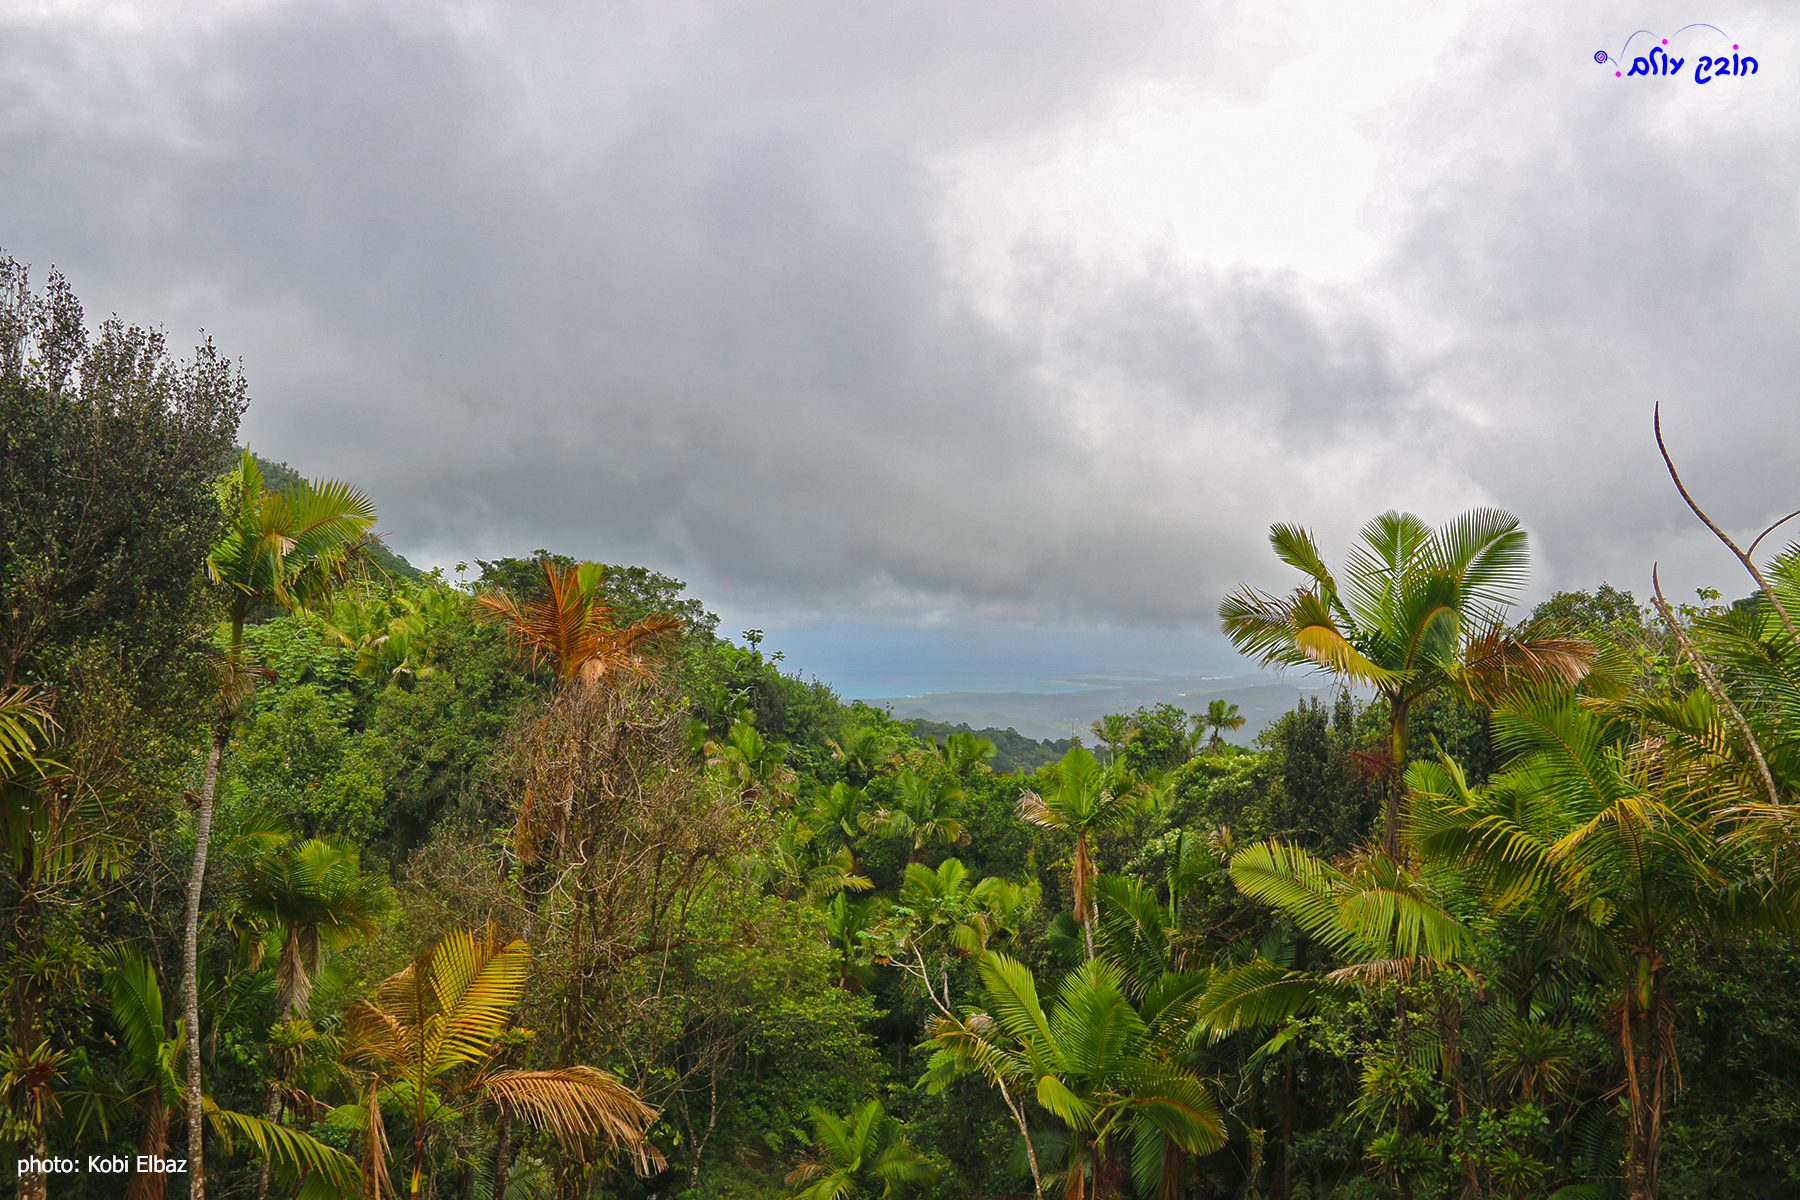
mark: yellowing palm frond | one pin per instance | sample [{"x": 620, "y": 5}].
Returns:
[
  {"x": 476, "y": 983},
  {"x": 24, "y": 720}
]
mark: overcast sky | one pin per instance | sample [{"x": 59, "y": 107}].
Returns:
[{"x": 912, "y": 329}]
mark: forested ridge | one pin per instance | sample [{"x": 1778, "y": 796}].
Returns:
[{"x": 327, "y": 877}]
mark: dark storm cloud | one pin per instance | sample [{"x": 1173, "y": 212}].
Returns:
[{"x": 670, "y": 284}]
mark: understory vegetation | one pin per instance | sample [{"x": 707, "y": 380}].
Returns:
[{"x": 329, "y": 877}]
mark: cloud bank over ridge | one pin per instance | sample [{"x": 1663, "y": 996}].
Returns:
[{"x": 861, "y": 312}]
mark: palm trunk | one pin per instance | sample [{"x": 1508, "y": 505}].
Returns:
[
  {"x": 1084, "y": 868},
  {"x": 502, "y": 1156},
  {"x": 27, "y": 1014},
  {"x": 1644, "y": 1029},
  {"x": 262, "y": 1166},
  {"x": 1284, "y": 1186},
  {"x": 1396, "y": 779},
  {"x": 190, "y": 966},
  {"x": 149, "y": 1185}
]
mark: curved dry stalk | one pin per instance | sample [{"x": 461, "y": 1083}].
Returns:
[
  {"x": 1771, "y": 529},
  {"x": 1749, "y": 563},
  {"x": 1712, "y": 686}
]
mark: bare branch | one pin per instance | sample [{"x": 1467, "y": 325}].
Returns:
[
  {"x": 1749, "y": 563},
  {"x": 1771, "y": 529},
  {"x": 1712, "y": 686}
]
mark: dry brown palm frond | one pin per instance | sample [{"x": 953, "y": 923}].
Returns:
[
  {"x": 621, "y": 651},
  {"x": 1501, "y": 665},
  {"x": 235, "y": 678},
  {"x": 1034, "y": 811},
  {"x": 1381, "y": 970},
  {"x": 804, "y": 1172},
  {"x": 375, "y": 1149},
  {"x": 372, "y": 1034},
  {"x": 577, "y": 1104}
]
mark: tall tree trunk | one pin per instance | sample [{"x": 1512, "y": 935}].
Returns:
[
  {"x": 190, "y": 966},
  {"x": 1018, "y": 1111},
  {"x": 34, "y": 1184},
  {"x": 1285, "y": 1186},
  {"x": 27, "y": 1011}
]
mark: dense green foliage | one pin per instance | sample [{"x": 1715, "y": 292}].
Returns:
[{"x": 704, "y": 929}]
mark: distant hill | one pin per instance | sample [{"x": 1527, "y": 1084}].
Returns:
[
  {"x": 279, "y": 477},
  {"x": 1046, "y": 715},
  {"x": 1013, "y": 751}
]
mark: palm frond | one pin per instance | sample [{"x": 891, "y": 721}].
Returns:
[
  {"x": 1260, "y": 993},
  {"x": 578, "y": 1104},
  {"x": 1012, "y": 993},
  {"x": 25, "y": 721},
  {"x": 289, "y": 1147},
  {"x": 476, "y": 982}
]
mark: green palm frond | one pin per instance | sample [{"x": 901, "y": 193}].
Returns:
[
  {"x": 1094, "y": 1024},
  {"x": 1305, "y": 887},
  {"x": 1375, "y": 909},
  {"x": 1262, "y": 627},
  {"x": 1486, "y": 552},
  {"x": 1175, "y": 1103},
  {"x": 1012, "y": 995},
  {"x": 968, "y": 1042},
  {"x": 1259, "y": 992},
  {"x": 137, "y": 1002},
  {"x": 1072, "y": 1109},
  {"x": 297, "y": 1151},
  {"x": 1296, "y": 547},
  {"x": 1379, "y": 562}
]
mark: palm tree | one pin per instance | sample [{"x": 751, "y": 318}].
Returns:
[
  {"x": 797, "y": 865},
  {"x": 1078, "y": 795},
  {"x": 1218, "y": 717},
  {"x": 924, "y": 814},
  {"x": 146, "y": 1083},
  {"x": 571, "y": 626},
  {"x": 1113, "y": 731},
  {"x": 283, "y": 549},
  {"x": 310, "y": 898},
  {"x": 963, "y": 751},
  {"x": 866, "y": 751},
  {"x": 1370, "y": 912},
  {"x": 432, "y": 1038},
  {"x": 313, "y": 897},
  {"x": 940, "y": 915},
  {"x": 1608, "y": 831},
  {"x": 1097, "y": 1062},
  {"x": 859, "y": 1156},
  {"x": 1419, "y": 608}
]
